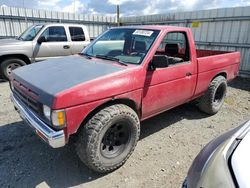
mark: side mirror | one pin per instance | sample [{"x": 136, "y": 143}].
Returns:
[
  {"x": 158, "y": 61},
  {"x": 41, "y": 39}
]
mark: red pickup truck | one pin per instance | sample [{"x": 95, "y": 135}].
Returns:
[{"x": 128, "y": 74}]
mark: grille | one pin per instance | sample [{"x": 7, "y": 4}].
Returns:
[{"x": 23, "y": 93}]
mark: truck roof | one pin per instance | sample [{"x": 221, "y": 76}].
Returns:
[
  {"x": 156, "y": 27},
  {"x": 60, "y": 24}
]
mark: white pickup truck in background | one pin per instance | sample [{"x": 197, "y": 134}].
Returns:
[{"x": 40, "y": 42}]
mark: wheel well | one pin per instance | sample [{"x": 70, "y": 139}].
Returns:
[
  {"x": 127, "y": 102},
  {"x": 19, "y": 56},
  {"x": 224, "y": 74}
]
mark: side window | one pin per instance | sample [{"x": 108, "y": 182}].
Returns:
[
  {"x": 76, "y": 34},
  {"x": 55, "y": 34},
  {"x": 175, "y": 46}
]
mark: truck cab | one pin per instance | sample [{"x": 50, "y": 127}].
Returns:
[{"x": 40, "y": 42}]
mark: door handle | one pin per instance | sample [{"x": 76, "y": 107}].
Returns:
[
  {"x": 66, "y": 46},
  {"x": 188, "y": 74}
]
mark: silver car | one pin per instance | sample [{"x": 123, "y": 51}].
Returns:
[
  {"x": 40, "y": 42},
  {"x": 224, "y": 162}
]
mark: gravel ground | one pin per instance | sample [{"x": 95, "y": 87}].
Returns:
[{"x": 168, "y": 144}]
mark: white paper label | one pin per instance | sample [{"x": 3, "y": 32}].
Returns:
[{"x": 146, "y": 33}]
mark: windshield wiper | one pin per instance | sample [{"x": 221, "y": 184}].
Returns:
[
  {"x": 86, "y": 55},
  {"x": 19, "y": 38},
  {"x": 111, "y": 59}
]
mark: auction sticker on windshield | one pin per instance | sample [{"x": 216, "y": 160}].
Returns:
[{"x": 146, "y": 33}]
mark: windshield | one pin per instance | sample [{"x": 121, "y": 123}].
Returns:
[
  {"x": 124, "y": 44},
  {"x": 30, "y": 33}
]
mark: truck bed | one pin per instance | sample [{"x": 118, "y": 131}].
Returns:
[
  {"x": 211, "y": 62},
  {"x": 204, "y": 53}
]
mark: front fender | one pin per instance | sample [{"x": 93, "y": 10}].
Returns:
[{"x": 76, "y": 115}]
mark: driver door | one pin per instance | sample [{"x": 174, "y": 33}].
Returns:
[
  {"x": 56, "y": 44},
  {"x": 173, "y": 85}
]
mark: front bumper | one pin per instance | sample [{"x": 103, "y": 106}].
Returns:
[{"x": 55, "y": 139}]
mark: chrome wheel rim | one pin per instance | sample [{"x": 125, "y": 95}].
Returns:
[{"x": 11, "y": 67}]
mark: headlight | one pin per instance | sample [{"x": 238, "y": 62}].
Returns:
[
  {"x": 58, "y": 118},
  {"x": 46, "y": 111}
]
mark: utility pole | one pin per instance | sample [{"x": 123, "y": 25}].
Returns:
[
  {"x": 26, "y": 21},
  {"x": 74, "y": 6},
  {"x": 75, "y": 9},
  {"x": 118, "y": 14}
]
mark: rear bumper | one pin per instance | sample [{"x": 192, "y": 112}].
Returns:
[{"x": 55, "y": 139}]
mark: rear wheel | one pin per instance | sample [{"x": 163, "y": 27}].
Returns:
[
  {"x": 214, "y": 98},
  {"x": 108, "y": 138},
  {"x": 8, "y": 65}
]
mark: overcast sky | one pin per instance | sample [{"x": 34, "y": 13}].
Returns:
[{"x": 128, "y": 7}]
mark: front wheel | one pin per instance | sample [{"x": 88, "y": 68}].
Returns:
[
  {"x": 213, "y": 99},
  {"x": 107, "y": 140},
  {"x": 8, "y": 65}
]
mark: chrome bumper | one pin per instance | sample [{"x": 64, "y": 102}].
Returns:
[{"x": 55, "y": 139}]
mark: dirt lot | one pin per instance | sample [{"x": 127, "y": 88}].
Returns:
[{"x": 168, "y": 144}]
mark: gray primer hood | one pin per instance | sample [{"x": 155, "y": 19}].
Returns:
[{"x": 50, "y": 77}]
